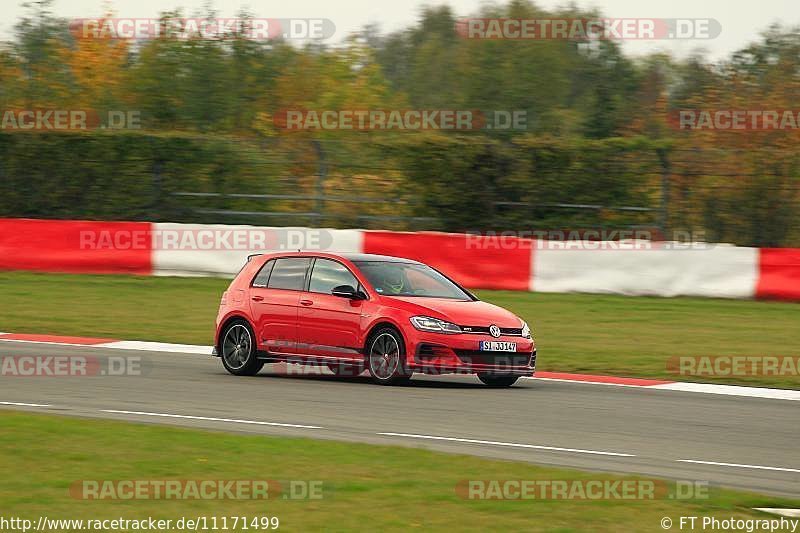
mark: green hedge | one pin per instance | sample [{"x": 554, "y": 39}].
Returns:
[
  {"x": 124, "y": 176},
  {"x": 452, "y": 182}
]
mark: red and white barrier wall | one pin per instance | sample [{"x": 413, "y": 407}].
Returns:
[
  {"x": 175, "y": 254},
  {"x": 55, "y": 246},
  {"x": 475, "y": 261},
  {"x": 720, "y": 271}
]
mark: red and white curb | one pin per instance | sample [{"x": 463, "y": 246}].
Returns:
[
  {"x": 680, "y": 386},
  {"x": 147, "y": 346}
]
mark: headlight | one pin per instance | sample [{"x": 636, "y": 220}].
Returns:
[
  {"x": 426, "y": 323},
  {"x": 526, "y": 331}
]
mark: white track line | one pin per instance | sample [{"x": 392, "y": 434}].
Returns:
[
  {"x": 156, "y": 347},
  {"x": 508, "y": 444},
  {"x": 20, "y": 404},
  {"x": 736, "y": 465},
  {"x": 210, "y": 419},
  {"x": 790, "y": 513},
  {"x": 730, "y": 390}
]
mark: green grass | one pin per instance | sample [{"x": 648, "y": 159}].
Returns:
[
  {"x": 617, "y": 335},
  {"x": 364, "y": 487},
  {"x": 635, "y": 336},
  {"x": 123, "y": 307}
]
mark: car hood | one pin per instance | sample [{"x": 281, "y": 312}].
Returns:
[{"x": 463, "y": 313}]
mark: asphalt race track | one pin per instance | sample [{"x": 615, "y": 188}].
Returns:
[{"x": 754, "y": 442}]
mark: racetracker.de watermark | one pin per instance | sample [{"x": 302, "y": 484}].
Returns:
[
  {"x": 581, "y": 239},
  {"x": 735, "y": 120},
  {"x": 197, "y": 489},
  {"x": 207, "y": 239},
  {"x": 68, "y": 120},
  {"x": 29, "y": 366},
  {"x": 581, "y": 489},
  {"x": 585, "y": 29},
  {"x": 400, "y": 119},
  {"x": 734, "y": 365},
  {"x": 257, "y": 29}
]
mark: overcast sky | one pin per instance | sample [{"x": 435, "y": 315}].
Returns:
[{"x": 741, "y": 21}]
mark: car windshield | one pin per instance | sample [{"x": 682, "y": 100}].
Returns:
[{"x": 410, "y": 279}]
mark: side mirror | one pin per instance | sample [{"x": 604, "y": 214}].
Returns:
[{"x": 346, "y": 291}]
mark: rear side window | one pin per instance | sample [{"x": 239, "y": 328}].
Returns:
[
  {"x": 262, "y": 277},
  {"x": 289, "y": 273},
  {"x": 328, "y": 274}
]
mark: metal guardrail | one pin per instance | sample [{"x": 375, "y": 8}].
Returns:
[
  {"x": 285, "y": 197},
  {"x": 578, "y": 206},
  {"x": 314, "y": 215},
  {"x": 416, "y": 222}
]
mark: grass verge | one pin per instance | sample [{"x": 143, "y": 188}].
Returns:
[
  {"x": 364, "y": 487},
  {"x": 598, "y": 334}
]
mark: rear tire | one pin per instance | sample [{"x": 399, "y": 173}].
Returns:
[
  {"x": 495, "y": 381},
  {"x": 386, "y": 357},
  {"x": 237, "y": 349}
]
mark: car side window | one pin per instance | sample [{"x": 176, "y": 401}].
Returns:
[
  {"x": 327, "y": 274},
  {"x": 289, "y": 273},
  {"x": 262, "y": 277}
]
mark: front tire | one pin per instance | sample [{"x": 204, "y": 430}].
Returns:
[
  {"x": 386, "y": 357},
  {"x": 237, "y": 349},
  {"x": 495, "y": 381}
]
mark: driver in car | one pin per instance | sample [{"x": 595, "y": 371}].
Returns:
[{"x": 393, "y": 281}]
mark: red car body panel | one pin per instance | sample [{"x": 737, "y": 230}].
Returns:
[{"x": 322, "y": 328}]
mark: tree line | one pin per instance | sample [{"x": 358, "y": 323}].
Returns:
[{"x": 603, "y": 144}]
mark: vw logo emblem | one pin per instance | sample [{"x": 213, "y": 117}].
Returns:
[{"x": 494, "y": 331}]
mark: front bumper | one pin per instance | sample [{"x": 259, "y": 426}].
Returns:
[{"x": 434, "y": 353}]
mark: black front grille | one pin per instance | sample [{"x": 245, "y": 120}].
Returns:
[
  {"x": 484, "y": 330},
  {"x": 425, "y": 350},
  {"x": 477, "y": 357},
  {"x": 428, "y": 351}
]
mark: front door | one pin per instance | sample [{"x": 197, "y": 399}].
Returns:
[{"x": 329, "y": 326}]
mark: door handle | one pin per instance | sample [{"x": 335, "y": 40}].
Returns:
[
  {"x": 257, "y": 298},
  {"x": 306, "y": 302}
]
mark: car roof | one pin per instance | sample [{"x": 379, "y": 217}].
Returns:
[{"x": 354, "y": 257}]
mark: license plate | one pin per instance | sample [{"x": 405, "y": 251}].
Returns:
[{"x": 498, "y": 346}]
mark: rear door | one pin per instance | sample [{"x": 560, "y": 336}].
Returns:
[
  {"x": 328, "y": 325},
  {"x": 274, "y": 297}
]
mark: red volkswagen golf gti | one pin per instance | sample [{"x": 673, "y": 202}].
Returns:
[{"x": 351, "y": 312}]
